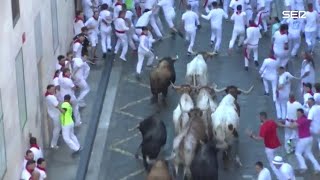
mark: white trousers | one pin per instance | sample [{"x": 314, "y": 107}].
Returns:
[
  {"x": 154, "y": 25},
  {"x": 191, "y": 36},
  {"x": 56, "y": 129},
  {"x": 249, "y": 14},
  {"x": 194, "y": 6},
  {"x": 106, "y": 39},
  {"x": 270, "y": 155},
  {"x": 249, "y": 49},
  {"x": 273, "y": 85},
  {"x": 282, "y": 56},
  {"x": 237, "y": 33},
  {"x": 93, "y": 38},
  {"x": 69, "y": 137},
  {"x": 84, "y": 88},
  {"x": 310, "y": 39},
  {"x": 158, "y": 21},
  {"x": 294, "y": 44},
  {"x": 123, "y": 42},
  {"x": 281, "y": 108},
  {"x": 86, "y": 70},
  {"x": 169, "y": 17},
  {"x": 141, "y": 55},
  {"x": 216, "y": 34},
  {"x": 261, "y": 20},
  {"x": 131, "y": 38},
  {"x": 226, "y": 4},
  {"x": 304, "y": 146},
  {"x": 289, "y": 134}
]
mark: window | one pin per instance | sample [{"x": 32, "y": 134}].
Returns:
[
  {"x": 55, "y": 29},
  {"x": 15, "y": 6},
  {"x": 21, "y": 89},
  {"x": 3, "y": 161},
  {"x": 38, "y": 36}
]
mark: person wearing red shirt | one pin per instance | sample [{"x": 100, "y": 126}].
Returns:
[{"x": 268, "y": 133}]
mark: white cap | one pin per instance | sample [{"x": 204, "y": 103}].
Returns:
[{"x": 277, "y": 160}]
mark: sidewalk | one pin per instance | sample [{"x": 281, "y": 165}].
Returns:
[{"x": 60, "y": 163}]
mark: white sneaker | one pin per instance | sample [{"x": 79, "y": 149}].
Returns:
[
  {"x": 123, "y": 58},
  {"x": 82, "y": 104},
  {"x": 54, "y": 147},
  {"x": 78, "y": 124}
]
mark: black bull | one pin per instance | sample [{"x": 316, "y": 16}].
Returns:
[
  {"x": 154, "y": 137},
  {"x": 161, "y": 78}
]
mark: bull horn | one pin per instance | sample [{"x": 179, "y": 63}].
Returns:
[
  {"x": 218, "y": 90},
  {"x": 172, "y": 156},
  {"x": 134, "y": 128},
  {"x": 173, "y": 86},
  {"x": 246, "y": 92},
  {"x": 209, "y": 53},
  {"x": 175, "y": 58}
]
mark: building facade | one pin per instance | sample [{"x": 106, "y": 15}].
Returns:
[{"x": 33, "y": 33}]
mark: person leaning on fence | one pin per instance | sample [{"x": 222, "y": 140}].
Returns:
[{"x": 67, "y": 124}]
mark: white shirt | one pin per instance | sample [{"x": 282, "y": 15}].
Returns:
[
  {"x": 116, "y": 10},
  {"x": 269, "y": 68},
  {"x": 144, "y": 44},
  {"x": 215, "y": 16},
  {"x": 149, "y": 4},
  {"x": 314, "y": 116},
  {"x": 87, "y": 4},
  {"x": 307, "y": 67},
  {"x": 78, "y": 66},
  {"x": 25, "y": 175},
  {"x": 311, "y": 21},
  {"x": 286, "y": 171},
  {"x": 52, "y": 103},
  {"x": 43, "y": 174},
  {"x": 285, "y": 81},
  {"x": 253, "y": 36},
  {"x": 239, "y": 20},
  {"x": 144, "y": 19},
  {"x": 66, "y": 85},
  {"x": 105, "y": 19},
  {"x": 92, "y": 23},
  {"x": 264, "y": 174},
  {"x": 120, "y": 25},
  {"x": 234, "y": 4},
  {"x": 190, "y": 19},
  {"x": 295, "y": 27},
  {"x": 77, "y": 49},
  {"x": 37, "y": 153},
  {"x": 316, "y": 97},
  {"x": 261, "y": 4},
  {"x": 297, "y": 5},
  {"x": 306, "y": 107},
  {"x": 55, "y": 81},
  {"x": 279, "y": 40},
  {"x": 292, "y": 110},
  {"x": 167, "y": 7},
  {"x": 77, "y": 25},
  {"x": 129, "y": 16}
]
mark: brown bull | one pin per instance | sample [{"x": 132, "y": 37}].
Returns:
[
  {"x": 161, "y": 78},
  {"x": 160, "y": 171},
  {"x": 186, "y": 143}
]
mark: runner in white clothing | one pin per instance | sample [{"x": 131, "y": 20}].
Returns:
[
  {"x": 78, "y": 23},
  {"x": 295, "y": 30},
  {"x": 79, "y": 80},
  {"x": 310, "y": 27},
  {"x": 105, "y": 29},
  {"x": 169, "y": 14},
  {"x": 262, "y": 15},
  {"x": 194, "y": 5},
  {"x": 93, "y": 25},
  {"x": 281, "y": 45},
  {"x": 251, "y": 44},
  {"x": 121, "y": 29},
  {"x": 263, "y": 173},
  {"x": 215, "y": 16},
  {"x": 191, "y": 21},
  {"x": 286, "y": 171},
  {"x": 307, "y": 72},
  {"x": 314, "y": 116},
  {"x": 87, "y": 8},
  {"x": 316, "y": 95},
  {"x": 239, "y": 18}
]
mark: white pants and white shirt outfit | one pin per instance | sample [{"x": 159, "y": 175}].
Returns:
[
  {"x": 279, "y": 43},
  {"x": 70, "y": 138},
  {"x": 262, "y": 15},
  {"x": 239, "y": 19},
  {"x": 264, "y": 174},
  {"x": 284, "y": 88},
  {"x": 131, "y": 32},
  {"x": 155, "y": 21},
  {"x": 291, "y": 117},
  {"x": 105, "y": 30},
  {"x": 306, "y": 66},
  {"x": 143, "y": 21},
  {"x": 168, "y": 11},
  {"x": 54, "y": 114},
  {"x": 194, "y": 5},
  {"x": 316, "y": 97},
  {"x": 77, "y": 49},
  {"x": 251, "y": 42},
  {"x": 191, "y": 21},
  {"x": 87, "y": 10},
  {"x": 286, "y": 172},
  {"x": 93, "y": 26},
  {"x": 66, "y": 85},
  {"x": 77, "y": 25},
  {"x": 314, "y": 116},
  {"x": 269, "y": 73},
  {"x": 144, "y": 51},
  {"x": 121, "y": 29},
  {"x": 215, "y": 16},
  {"x": 295, "y": 29},
  {"x": 310, "y": 28},
  {"x": 79, "y": 80}
]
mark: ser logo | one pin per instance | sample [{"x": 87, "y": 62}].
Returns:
[{"x": 294, "y": 14}]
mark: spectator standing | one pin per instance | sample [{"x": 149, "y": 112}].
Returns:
[
  {"x": 263, "y": 173},
  {"x": 35, "y": 148},
  {"x": 41, "y": 168},
  {"x": 286, "y": 171}
]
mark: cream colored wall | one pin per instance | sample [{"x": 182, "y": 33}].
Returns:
[{"x": 11, "y": 42}]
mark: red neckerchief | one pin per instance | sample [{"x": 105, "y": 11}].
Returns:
[
  {"x": 292, "y": 100},
  {"x": 310, "y": 92},
  {"x": 95, "y": 18},
  {"x": 238, "y": 12},
  {"x": 77, "y": 41},
  {"x": 143, "y": 34},
  {"x": 66, "y": 76},
  {"x": 282, "y": 33},
  {"x": 310, "y": 9},
  {"x": 78, "y": 19},
  {"x": 253, "y": 25},
  {"x": 118, "y": 4},
  {"x": 35, "y": 146},
  {"x": 272, "y": 57},
  {"x": 46, "y": 94},
  {"x": 29, "y": 170},
  {"x": 62, "y": 64},
  {"x": 27, "y": 158},
  {"x": 42, "y": 169}
]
